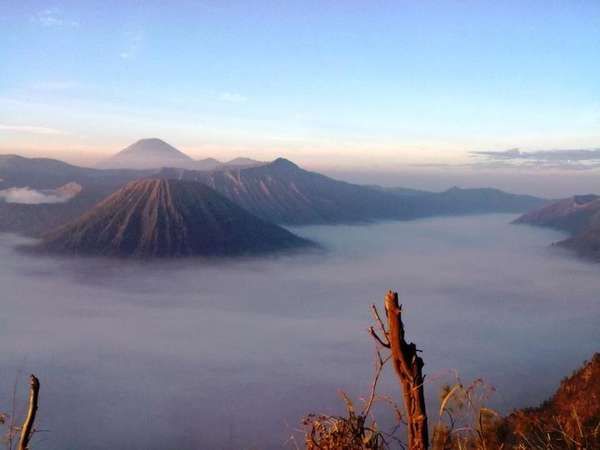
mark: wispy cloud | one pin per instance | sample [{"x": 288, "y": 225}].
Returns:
[
  {"x": 231, "y": 97},
  {"x": 574, "y": 159},
  {"x": 54, "y": 18},
  {"x": 133, "y": 43},
  {"x": 30, "y": 129}
]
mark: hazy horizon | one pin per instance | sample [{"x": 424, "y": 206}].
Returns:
[
  {"x": 332, "y": 86},
  {"x": 543, "y": 181}
]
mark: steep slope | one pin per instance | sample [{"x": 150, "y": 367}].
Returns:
[
  {"x": 585, "y": 244},
  {"x": 149, "y": 153},
  {"x": 282, "y": 192},
  {"x": 574, "y": 214},
  {"x": 168, "y": 218},
  {"x": 571, "y": 415},
  {"x": 579, "y": 216}
]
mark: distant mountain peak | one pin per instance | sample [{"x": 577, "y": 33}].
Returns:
[
  {"x": 283, "y": 162},
  {"x": 152, "y": 140},
  {"x": 154, "y": 147},
  {"x": 149, "y": 153},
  {"x": 243, "y": 162}
]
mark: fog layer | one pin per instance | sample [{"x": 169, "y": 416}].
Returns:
[
  {"x": 231, "y": 354},
  {"x": 28, "y": 196}
]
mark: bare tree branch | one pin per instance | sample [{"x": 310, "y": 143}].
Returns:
[{"x": 27, "y": 428}]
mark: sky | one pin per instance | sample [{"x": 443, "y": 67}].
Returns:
[{"x": 352, "y": 84}]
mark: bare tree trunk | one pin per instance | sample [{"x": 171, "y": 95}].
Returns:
[
  {"x": 409, "y": 368},
  {"x": 27, "y": 428}
]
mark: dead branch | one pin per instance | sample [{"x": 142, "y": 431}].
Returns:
[
  {"x": 27, "y": 428},
  {"x": 377, "y": 338},
  {"x": 379, "y": 364},
  {"x": 377, "y": 318}
]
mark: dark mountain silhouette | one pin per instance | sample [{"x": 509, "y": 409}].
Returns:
[
  {"x": 574, "y": 214},
  {"x": 279, "y": 192},
  {"x": 400, "y": 191},
  {"x": 579, "y": 216},
  {"x": 456, "y": 201},
  {"x": 39, "y": 173},
  {"x": 168, "y": 218},
  {"x": 46, "y": 173},
  {"x": 282, "y": 192},
  {"x": 585, "y": 244}
]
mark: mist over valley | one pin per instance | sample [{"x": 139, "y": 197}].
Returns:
[{"x": 256, "y": 343}]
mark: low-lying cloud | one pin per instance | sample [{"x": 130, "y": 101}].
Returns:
[
  {"x": 29, "y": 196},
  {"x": 578, "y": 159},
  {"x": 489, "y": 299}
]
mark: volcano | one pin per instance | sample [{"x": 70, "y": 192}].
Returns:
[{"x": 168, "y": 218}]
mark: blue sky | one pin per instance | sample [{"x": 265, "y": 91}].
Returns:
[{"x": 369, "y": 82}]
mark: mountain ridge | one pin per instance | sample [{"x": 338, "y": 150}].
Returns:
[
  {"x": 279, "y": 192},
  {"x": 579, "y": 216},
  {"x": 155, "y": 153},
  {"x": 283, "y": 192}
]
